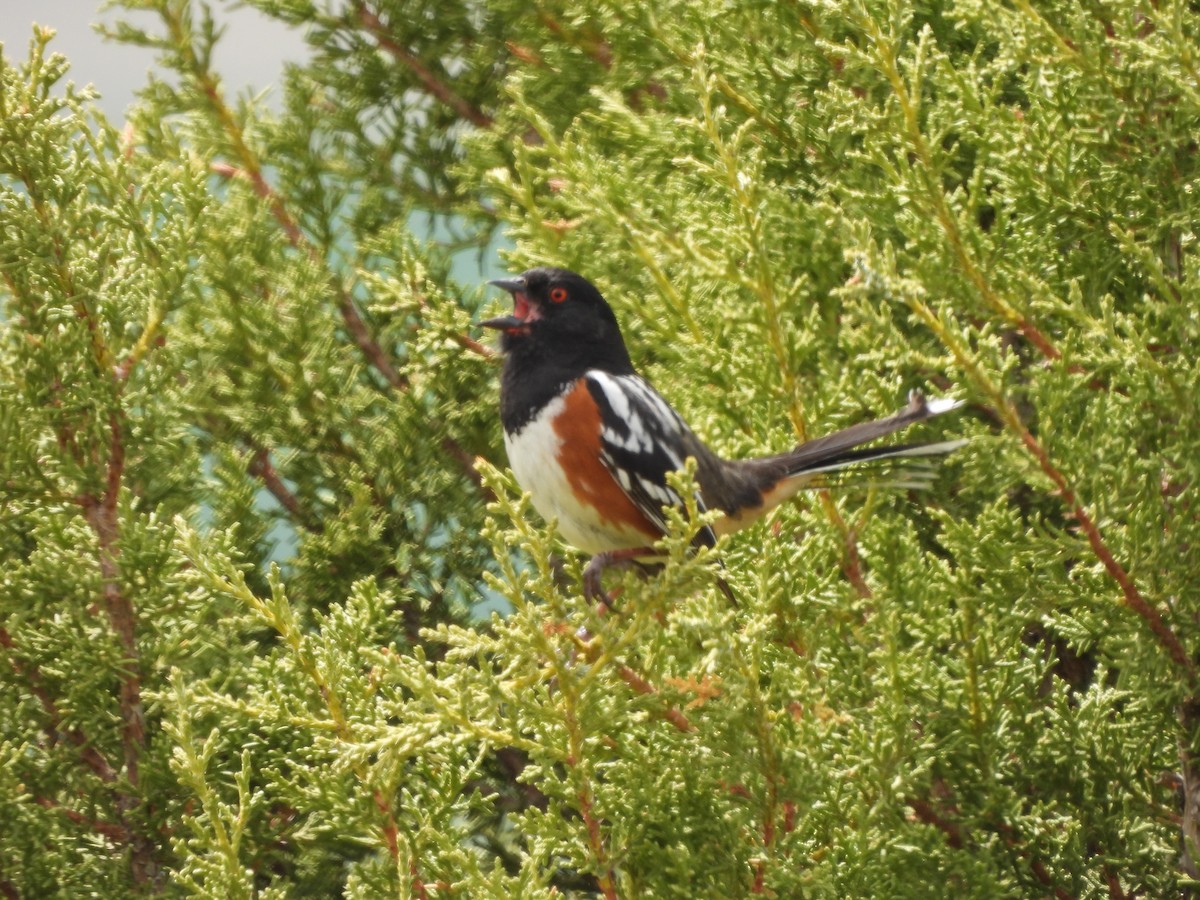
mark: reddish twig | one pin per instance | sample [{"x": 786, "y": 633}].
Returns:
[
  {"x": 768, "y": 834},
  {"x": 1113, "y": 882},
  {"x": 925, "y": 812},
  {"x": 937, "y": 197},
  {"x": 351, "y": 317},
  {"x": 789, "y": 816},
  {"x": 1133, "y": 597},
  {"x": 605, "y": 878},
  {"x": 417, "y": 883},
  {"x": 464, "y": 341},
  {"x": 365, "y": 341},
  {"x": 469, "y": 343},
  {"x": 389, "y": 827},
  {"x": 433, "y": 85},
  {"x": 101, "y": 513},
  {"x": 958, "y": 838},
  {"x": 90, "y": 756},
  {"x": 1008, "y": 414},
  {"x": 251, "y": 171},
  {"x": 1039, "y": 870},
  {"x": 259, "y": 183},
  {"x": 852, "y": 564},
  {"x": 597, "y": 49},
  {"x": 574, "y": 759},
  {"x": 261, "y": 467},
  {"x": 116, "y": 833},
  {"x": 642, "y": 686}
]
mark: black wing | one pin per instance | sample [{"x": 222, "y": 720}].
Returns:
[{"x": 642, "y": 439}]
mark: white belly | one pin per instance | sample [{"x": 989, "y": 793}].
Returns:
[{"x": 533, "y": 456}]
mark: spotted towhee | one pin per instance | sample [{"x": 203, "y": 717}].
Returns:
[{"x": 593, "y": 442}]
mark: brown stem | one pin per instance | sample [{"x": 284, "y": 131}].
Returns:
[
  {"x": 359, "y": 333},
  {"x": 936, "y": 196},
  {"x": 352, "y": 319},
  {"x": 1133, "y": 597},
  {"x": 255, "y": 177},
  {"x": 773, "y": 778},
  {"x": 768, "y": 831},
  {"x": 261, "y": 467},
  {"x": 605, "y": 879},
  {"x": 90, "y": 756},
  {"x": 418, "y": 884},
  {"x": 464, "y": 341},
  {"x": 389, "y": 826},
  {"x": 431, "y": 82},
  {"x": 1113, "y": 881},
  {"x": 115, "y": 832},
  {"x": 365, "y": 341},
  {"x": 596, "y": 48},
  {"x": 852, "y": 562},
  {"x": 642, "y": 686},
  {"x": 584, "y": 795},
  {"x": 957, "y": 838},
  {"x": 101, "y": 513},
  {"x": 251, "y": 170},
  {"x": 1008, "y": 414},
  {"x": 1189, "y": 721},
  {"x": 925, "y": 812},
  {"x": 469, "y": 343},
  {"x": 1039, "y": 870}
]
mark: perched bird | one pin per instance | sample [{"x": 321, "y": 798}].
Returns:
[{"x": 592, "y": 442}]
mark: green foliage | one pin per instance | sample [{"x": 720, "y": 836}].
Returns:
[{"x": 255, "y": 507}]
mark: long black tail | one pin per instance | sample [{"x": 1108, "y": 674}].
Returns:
[
  {"x": 842, "y": 450},
  {"x": 837, "y": 450}
]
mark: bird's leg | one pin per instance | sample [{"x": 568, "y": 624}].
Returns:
[{"x": 592, "y": 572}]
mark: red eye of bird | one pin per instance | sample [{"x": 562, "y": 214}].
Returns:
[{"x": 558, "y": 294}]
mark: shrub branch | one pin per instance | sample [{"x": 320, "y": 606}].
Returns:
[{"x": 1131, "y": 595}]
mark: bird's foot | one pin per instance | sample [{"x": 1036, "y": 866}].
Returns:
[{"x": 594, "y": 570}]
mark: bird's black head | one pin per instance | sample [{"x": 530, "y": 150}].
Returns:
[{"x": 561, "y": 321}]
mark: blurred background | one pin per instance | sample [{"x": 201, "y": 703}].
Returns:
[{"x": 250, "y": 56}]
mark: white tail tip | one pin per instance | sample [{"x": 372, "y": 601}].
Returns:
[{"x": 939, "y": 405}]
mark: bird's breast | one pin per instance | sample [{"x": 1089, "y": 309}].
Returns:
[{"x": 556, "y": 457}]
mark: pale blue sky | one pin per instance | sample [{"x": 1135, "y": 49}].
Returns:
[{"x": 250, "y": 55}]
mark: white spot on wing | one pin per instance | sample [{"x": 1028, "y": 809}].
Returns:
[
  {"x": 623, "y": 478},
  {"x": 668, "y": 423},
  {"x": 613, "y": 391},
  {"x": 662, "y": 494}
]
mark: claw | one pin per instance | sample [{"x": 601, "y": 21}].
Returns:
[
  {"x": 593, "y": 589},
  {"x": 593, "y": 572}
]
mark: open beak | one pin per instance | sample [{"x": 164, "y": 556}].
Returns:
[{"x": 522, "y": 310}]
